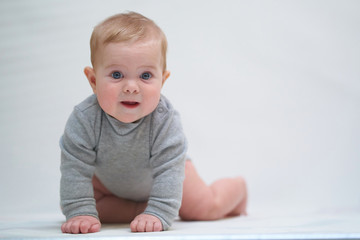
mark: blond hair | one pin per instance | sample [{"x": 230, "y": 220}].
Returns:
[{"x": 126, "y": 27}]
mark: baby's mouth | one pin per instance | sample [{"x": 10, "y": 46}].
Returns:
[{"x": 130, "y": 104}]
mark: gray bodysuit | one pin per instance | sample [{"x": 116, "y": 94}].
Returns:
[{"x": 140, "y": 161}]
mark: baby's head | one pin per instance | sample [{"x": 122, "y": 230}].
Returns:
[
  {"x": 128, "y": 54},
  {"x": 126, "y": 28}
]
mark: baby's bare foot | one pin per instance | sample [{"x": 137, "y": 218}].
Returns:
[
  {"x": 243, "y": 204},
  {"x": 240, "y": 209},
  {"x": 81, "y": 224},
  {"x": 146, "y": 223}
]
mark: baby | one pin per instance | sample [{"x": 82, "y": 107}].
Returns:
[{"x": 123, "y": 151}]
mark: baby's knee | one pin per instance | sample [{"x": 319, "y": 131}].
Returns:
[
  {"x": 205, "y": 210},
  {"x": 211, "y": 210}
]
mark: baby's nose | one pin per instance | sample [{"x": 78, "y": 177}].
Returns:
[{"x": 131, "y": 87}]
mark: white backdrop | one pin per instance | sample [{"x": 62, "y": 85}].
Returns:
[{"x": 269, "y": 90}]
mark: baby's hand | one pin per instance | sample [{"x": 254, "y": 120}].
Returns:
[
  {"x": 146, "y": 223},
  {"x": 81, "y": 224}
]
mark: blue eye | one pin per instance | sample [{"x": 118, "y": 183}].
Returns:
[
  {"x": 117, "y": 75},
  {"x": 146, "y": 76}
]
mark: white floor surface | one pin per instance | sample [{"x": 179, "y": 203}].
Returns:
[{"x": 329, "y": 224}]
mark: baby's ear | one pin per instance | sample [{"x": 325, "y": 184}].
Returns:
[
  {"x": 166, "y": 75},
  {"x": 90, "y": 75}
]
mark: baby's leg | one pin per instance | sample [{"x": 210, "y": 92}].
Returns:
[
  {"x": 112, "y": 209},
  {"x": 225, "y": 197}
]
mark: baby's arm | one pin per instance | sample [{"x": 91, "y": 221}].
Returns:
[
  {"x": 168, "y": 165},
  {"x": 77, "y": 168}
]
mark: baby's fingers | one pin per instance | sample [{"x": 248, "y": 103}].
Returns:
[
  {"x": 64, "y": 227},
  {"x": 146, "y": 223},
  {"x": 88, "y": 227},
  {"x": 142, "y": 226},
  {"x": 71, "y": 227},
  {"x": 81, "y": 224},
  {"x": 149, "y": 227},
  {"x": 95, "y": 228},
  {"x": 157, "y": 226}
]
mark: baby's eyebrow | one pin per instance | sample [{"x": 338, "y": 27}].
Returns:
[
  {"x": 113, "y": 66},
  {"x": 148, "y": 66},
  {"x": 142, "y": 67}
]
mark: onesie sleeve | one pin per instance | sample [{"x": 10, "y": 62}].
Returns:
[
  {"x": 168, "y": 163},
  {"x": 77, "y": 167}
]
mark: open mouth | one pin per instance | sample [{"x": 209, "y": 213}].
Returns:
[{"x": 130, "y": 104}]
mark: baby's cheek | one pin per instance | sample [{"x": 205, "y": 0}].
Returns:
[
  {"x": 107, "y": 102},
  {"x": 154, "y": 102}
]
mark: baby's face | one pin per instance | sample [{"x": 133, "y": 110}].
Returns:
[{"x": 128, "y": 79}]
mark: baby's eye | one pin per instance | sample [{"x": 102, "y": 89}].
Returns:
[
  {"x": 117, "y": 75},
  {"x": 146, "y": 76}
]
